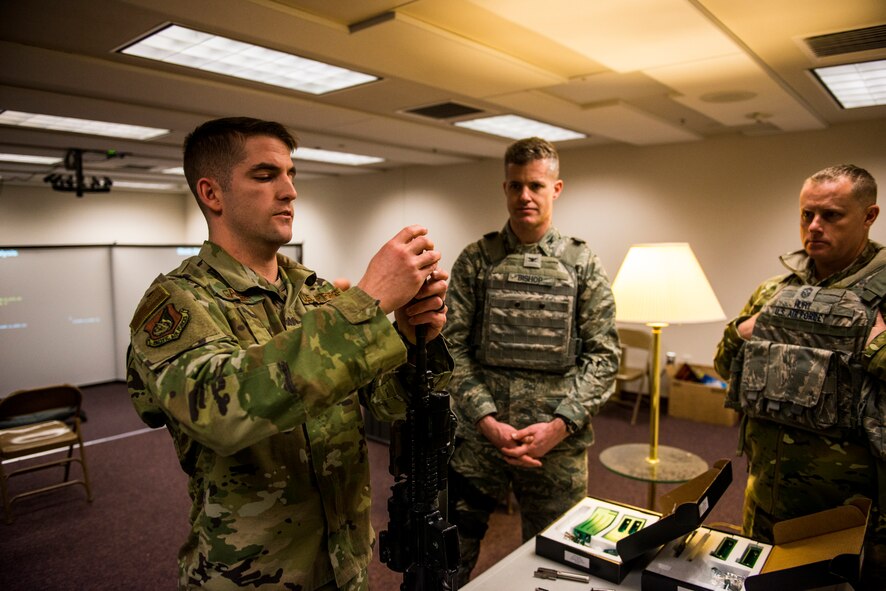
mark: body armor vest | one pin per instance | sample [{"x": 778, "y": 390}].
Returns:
[
  {"x": 802, "y": 366},
  {"x": 529, "y": 310}
]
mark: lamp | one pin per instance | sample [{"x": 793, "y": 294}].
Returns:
[{"x": 658, "y": 285}]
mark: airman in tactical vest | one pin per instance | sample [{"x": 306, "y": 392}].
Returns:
[
  {"x": 531, "y": 325},
  {"x": 807, "y": 365}
]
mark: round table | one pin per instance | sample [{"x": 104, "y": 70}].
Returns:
[{"x": 674, "y": 465}]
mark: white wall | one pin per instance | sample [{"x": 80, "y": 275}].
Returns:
[
  {"x": 733, "y": 198},
  {"x": 195, "y": 224},
  {"x": 40, "y": 216}
]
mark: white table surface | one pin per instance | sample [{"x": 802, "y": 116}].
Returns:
[{"x": 515, "y": 573}]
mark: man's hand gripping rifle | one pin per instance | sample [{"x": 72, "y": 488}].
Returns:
[{"x": 419, "y": 542}]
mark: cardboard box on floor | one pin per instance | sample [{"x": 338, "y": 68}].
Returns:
[
  {"x": 816, "y": 550},
  {"x": 683, "y": 510},
  {"x": 700, "y": 402}
]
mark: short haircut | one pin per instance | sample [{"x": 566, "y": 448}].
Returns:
[
  {"x": 527, "y": 150},
  {"x": 215, "y": 147},
  {"x": 864, "y": 187}
]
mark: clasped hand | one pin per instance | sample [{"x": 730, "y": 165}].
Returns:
[{"x": 523, "y": 447}]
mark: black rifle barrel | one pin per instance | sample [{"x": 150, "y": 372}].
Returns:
[{"x": 419, "y": 542}]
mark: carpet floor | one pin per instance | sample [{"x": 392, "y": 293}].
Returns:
[{"x": 128, "y": 537}]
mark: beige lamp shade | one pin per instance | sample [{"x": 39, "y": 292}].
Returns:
[{"x": 664, "y": 284}]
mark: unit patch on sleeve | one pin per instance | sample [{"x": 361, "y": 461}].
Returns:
[{"x": 166, "y": 325}]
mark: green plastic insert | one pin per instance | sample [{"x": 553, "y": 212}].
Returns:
[
  {"x": 599, "y": 520},
  {"x": 628, "y": 526},
  {"x": 724, "y": 549},
  {"x": 750, "y": 555}
]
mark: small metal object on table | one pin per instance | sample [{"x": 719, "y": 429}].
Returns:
[
  {"x": 554, "y": 574},
  {"x": 514, "y": 573},
  {"x": 673, "y": 465}
]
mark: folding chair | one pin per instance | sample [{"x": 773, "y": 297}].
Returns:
[
  {"x": 38, "y": 421},
  {"x": 636, "y": 340}
]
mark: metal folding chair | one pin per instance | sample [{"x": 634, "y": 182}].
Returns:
[{"x": 41, "y": 421}]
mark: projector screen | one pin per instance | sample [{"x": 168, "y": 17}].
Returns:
[
  {"x": 65, "y": 311},
  {"x": 56, "y": 317}
]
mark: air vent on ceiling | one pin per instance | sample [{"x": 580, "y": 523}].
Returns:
[
  {"x": 867, "y": 39},
  {"x": 447, "y": 110}
]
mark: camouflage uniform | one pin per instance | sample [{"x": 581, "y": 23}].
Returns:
[
  {"x": 479, "y": 476},
  {"x": 793, "y": 471},
  {"x": 257, "y": 383}
]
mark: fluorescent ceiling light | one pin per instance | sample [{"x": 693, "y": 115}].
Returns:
[
  {"x": 178, "y": 170},
  {"x": 517, "y": 127},
  {"x": 202, "y": 51},
  {"x": 27, "y": 159},
  {"x": 147, "y": 186},
  {"x": 334, "y": 157},
  {"x": 856, "y": 85},
  {"x": 132, "y": 132}
]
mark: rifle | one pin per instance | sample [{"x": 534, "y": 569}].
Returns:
[{"x": 419, "y": 542}]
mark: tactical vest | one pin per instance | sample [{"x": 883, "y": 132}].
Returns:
[
  {"x": 802, "y": 366},
  {"x": 529, "y": 309}
]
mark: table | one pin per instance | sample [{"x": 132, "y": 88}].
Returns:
[
  {"x": 515, "y": 571},
  {"x": 673, "y": 466}
]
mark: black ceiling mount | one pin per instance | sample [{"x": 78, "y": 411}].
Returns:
[{"x": 77, "y": 182}]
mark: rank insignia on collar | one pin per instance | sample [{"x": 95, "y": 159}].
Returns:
[
  {"x": 532, "y": 260},
  {"x": 166, "y": 325},
  {"x": 316, "y": 298}
]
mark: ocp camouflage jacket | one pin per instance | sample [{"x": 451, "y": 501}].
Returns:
[
  {"x": 257, "y": 385},
  {"x": 793, "y": 471}
]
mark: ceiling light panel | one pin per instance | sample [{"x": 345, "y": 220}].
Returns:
[
  {"x": 144, "y": 186},
  {"x": 517, "y": 127},
  {"x": 856, "y": 85},
  {"x": 613, "y": 119},
  {"x": 212, "y": 53},
  {"x": 103, "y": 128},
  {"x": 332, "y": 157},
  {"x": 28, "y": 159}
]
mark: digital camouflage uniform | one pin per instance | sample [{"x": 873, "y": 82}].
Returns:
[
  {"x": 520, "y": 397},
  {"x": 794, "y": 471},
  {"x": 257, "y": 384}
]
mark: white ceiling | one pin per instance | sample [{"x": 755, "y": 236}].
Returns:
[{"x": 640, "y": 72}]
